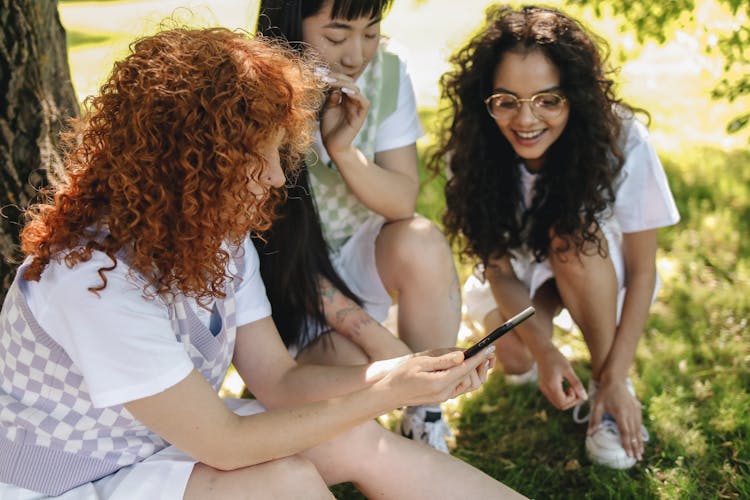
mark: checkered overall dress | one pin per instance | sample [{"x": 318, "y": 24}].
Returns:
[{"x": 52, "y": 439}]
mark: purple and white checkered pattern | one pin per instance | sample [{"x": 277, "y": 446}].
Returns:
[
  {"x": 44, "y": 395},
  {"x": 47, "y": 420}
]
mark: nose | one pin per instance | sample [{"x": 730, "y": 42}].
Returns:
[
  {"x": 353, "y": 56},
  {"x": 274, "y": 174},
  {"x": 525, "y": 113}
]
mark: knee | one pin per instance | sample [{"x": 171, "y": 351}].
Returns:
[
  {"x": 296, "y": 466},
  {"x": 290, "y": 477},
  {"x": 417, "y": 243},
  {"x": 571, "y": 262}
]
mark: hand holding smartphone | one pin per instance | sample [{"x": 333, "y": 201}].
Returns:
[{"x": 499, "y": 332}]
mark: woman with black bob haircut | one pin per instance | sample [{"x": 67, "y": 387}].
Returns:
[{"x": 349, "y": 240}]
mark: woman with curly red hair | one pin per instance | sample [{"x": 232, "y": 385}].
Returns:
[
  {"x": 558, "y": 194},
  {"x": 141, "y": 285}
]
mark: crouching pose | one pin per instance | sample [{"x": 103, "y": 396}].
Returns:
[{"x": 558, "y": 193}]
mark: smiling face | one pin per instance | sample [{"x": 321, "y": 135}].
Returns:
[
  {"x": 347, "y": 46},
  {"x": 525, "y": 74}
]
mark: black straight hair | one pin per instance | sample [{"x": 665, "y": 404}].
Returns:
[
  {"x": 294, "y": 256},
  {"x": 283, "y": 18}
]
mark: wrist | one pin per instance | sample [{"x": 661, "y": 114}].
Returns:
[
  {"x": 379, "y": 369},
  {"x": 347, "y": 156}
]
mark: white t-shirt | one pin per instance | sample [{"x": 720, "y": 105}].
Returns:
[
  {"x": 123, "y": 343},
  {"x": 643, "y": 199}
]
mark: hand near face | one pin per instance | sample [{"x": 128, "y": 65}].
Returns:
[{"x": 344, "y": 112}]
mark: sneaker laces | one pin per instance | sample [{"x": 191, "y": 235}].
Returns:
[
  {"x": 608, "y": 424},
  {"x": 577, "y": 408},
  {"x": 576, "y": 413}
]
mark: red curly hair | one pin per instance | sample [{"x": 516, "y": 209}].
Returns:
[{"x": 160, "y": 170}]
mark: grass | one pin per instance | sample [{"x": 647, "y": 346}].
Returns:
[{"x": 692, "y": 368}]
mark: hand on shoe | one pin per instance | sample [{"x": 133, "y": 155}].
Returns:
[
  {"x": 558, "y": 381},
  {"x": 615, "y": 398}
]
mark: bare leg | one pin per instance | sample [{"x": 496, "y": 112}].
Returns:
[
  {"x": 415, "y": 261},
  {"x": 291, "y": 477},
  {"x": 332, "y": 349},
  {"x": 588, "y": 288},
  {"x": 384, "y": 465},
  {"x": 511, "y": 351}
]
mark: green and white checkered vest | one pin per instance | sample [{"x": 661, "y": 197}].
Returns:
[{"x": 341, "y": 213}]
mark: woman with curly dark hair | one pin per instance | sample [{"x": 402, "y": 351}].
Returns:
[
  {"x": 557, "y": 193},
  {"x": 141, "y": 285}
]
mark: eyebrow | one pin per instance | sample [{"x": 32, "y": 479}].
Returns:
[
  {"x": 344, "y": 26},
  {"x": 500, "y": 90}
]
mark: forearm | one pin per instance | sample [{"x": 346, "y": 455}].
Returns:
[
  {"x": 209, "y": 432},
  {"x": 512, "y": 297},
  {"x": 635, "y": 312},
  {"x": 309, "y": 383},
  {"x": 352, "y": 321},
  {"x": 390, "y": 193}
]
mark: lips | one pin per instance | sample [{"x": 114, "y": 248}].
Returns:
[{"x": 528, "y": 135}]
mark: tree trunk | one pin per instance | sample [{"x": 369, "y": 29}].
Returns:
[{"x": 36, "y": 98}]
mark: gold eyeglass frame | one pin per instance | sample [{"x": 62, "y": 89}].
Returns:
[{"x": 520, "y": 102}]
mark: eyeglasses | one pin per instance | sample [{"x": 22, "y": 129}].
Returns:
[{"x": 544, "y": 106}]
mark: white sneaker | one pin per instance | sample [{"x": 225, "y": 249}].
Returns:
[
  {"x": 604, "y": 446},
  {"x": 529, "y": 377},
  {"x": 425, "y": 424}
]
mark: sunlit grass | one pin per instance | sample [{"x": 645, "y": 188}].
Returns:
[{"x": 692, "y": 368}]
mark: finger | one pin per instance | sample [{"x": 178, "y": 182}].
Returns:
[
  {"x": 629, "y": 440},
  {"x": 493, "y": 362},
  {"x": 334, "y": 78},
  {"x": 576, "y": 385},
  {"x": 443, "y": 362},
  {"x": 334, "y": 98},
  {"x": 556, "y": 396},
  {"x": 483, "y": 371},
  {"x": 354, "y": 96},
  {"x": 476, "y": 382},
  {"x": 596, "y": 418}
]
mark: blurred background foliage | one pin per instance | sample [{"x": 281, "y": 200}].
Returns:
[{"x": 686, "y": 61}]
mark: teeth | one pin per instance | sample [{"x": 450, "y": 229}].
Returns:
[{"x": 529, "y": 135}]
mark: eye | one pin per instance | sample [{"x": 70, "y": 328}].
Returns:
[
  {"x": 548, "y": 100},
  {"x": 333, "y": 41},
  {"x": 505, "y": 101}
]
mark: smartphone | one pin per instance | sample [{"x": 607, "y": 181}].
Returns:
[{"x": 499, "y": 332}]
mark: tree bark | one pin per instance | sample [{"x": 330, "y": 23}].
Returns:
[{"x": 36, "y": 99}]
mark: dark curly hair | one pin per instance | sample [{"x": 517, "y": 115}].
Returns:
[
  {"x": 483, "y": 195},
  {"x": 161, "y": 169}
]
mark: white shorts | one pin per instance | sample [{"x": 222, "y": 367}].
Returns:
[
  {"x": 355, "y": 263},
  {"x": 162, "y": 476},
  {"x": 478, "y": 296}
]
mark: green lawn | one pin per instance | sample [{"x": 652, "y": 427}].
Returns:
[{"x": 692, "y": 368}]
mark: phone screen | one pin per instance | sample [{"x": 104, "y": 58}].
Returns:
[{"x": 499, "y": 332}]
